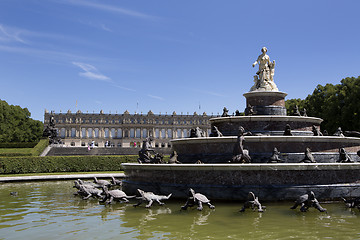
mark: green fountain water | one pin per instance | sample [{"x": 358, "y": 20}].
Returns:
[{"x": 44, "y": 210}]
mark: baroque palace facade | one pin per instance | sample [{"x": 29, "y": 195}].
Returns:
[{"x": 124, "y": 130}]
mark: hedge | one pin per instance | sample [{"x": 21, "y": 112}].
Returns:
[
  {"x": 18, "y": 144},
  {"x": 21, "y": 152},
  {"x": 35, "y": 164}
]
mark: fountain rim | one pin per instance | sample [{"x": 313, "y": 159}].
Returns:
[
  {"x": 242, "y": 167},
  {"x": 231, "y": 139},
  {"x": 265, "y": 93},
  {"x": 271, "y": 118}
]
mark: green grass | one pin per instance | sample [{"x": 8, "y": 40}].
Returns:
[
  {"x": 22, "y": 151},
  {"x": 56, "y": 173}
]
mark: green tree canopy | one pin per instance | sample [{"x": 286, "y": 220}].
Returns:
[
  {"x": 338, "y": 105},
  {"x": 16, "y": 124}
]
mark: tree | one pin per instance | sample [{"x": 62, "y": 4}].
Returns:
[
  {"x": 16, "y": 124},
  {"x": 338, "y": 105}
]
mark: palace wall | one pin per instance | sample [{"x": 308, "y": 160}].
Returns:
[{"x": 125, "y": 130}]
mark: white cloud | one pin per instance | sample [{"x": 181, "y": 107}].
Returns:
[
  {"x": 10, "y": 34},
  {"x": 156, "y": 97},
  {"x": 91, "y": 72},
  {"x": 110, "y": 8}
]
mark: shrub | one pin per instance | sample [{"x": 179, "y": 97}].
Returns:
[{"x": 35, "y": 164}]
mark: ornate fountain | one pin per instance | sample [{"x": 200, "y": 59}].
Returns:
[{"x": 287, "y": 155}]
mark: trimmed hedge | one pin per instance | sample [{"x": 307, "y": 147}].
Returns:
[
  {"x": 40, "y": 147},
  {"x": 21, "y": 152},
  {"x": 31, "y": 164},
  {"x": 18, "y": 144}
]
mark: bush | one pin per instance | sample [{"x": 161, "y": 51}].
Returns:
[
  {"x": 18, "y": 145},
  {"x": 35, "y": 164}
]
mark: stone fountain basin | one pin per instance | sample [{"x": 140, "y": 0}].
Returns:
[
  {"x": 266, "y": 124},
  {"x": 271, "y": 182},
  {"x": 220, "y": 149}
]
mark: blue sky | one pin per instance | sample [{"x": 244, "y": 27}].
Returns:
[{"x": 168, "y": 55}]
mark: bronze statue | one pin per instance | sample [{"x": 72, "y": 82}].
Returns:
[
  {"x": 147, "y": 154},
  {"x": 240, "y": 155}
]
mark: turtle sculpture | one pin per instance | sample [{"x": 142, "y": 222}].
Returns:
[
  {"x": 197, "y": 199},
  {"x": 252, "y": 202},
  {"x": 352, "y": 203},
  {"x": 79, "y": 182},
  {"x": 88, "y": 192},
  {"x": 115, "y": 194},
  {"x": 115, "y": 181},
  {"x": 306, "y": 201},
  {"x": 150, "y": 197},
  {"x": 102, "y": 182}
]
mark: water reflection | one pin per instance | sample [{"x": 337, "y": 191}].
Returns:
[{"x": 42, "y": 210}]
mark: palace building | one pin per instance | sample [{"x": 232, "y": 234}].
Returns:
[{"x": 124, "y": 130}]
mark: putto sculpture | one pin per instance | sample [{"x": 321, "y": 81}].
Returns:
[{"x": 264, "y": 78}]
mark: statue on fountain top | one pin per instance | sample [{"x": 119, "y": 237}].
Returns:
[{"x": 264, "y": 78}]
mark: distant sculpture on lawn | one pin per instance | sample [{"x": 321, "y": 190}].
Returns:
[
  {"x": 147, "y": 154},
  {"x": 51, "y": 132},
  {"x": 264, "y": 78}
]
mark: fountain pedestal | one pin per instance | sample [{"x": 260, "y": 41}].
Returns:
[{"x": 266, "y": 102}]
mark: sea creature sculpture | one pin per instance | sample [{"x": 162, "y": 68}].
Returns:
[
  {"x": 287, "y": 131},
  {"x": 215, "y": 132},
  {"x": 352, "y": 203},
  {"x": 309, "y": 158},
  {"x": 306, "y": 201},
  {"x": 102, "y": 182},
  {"x": 197, "y": 199},
  {"x": 115, "y": 194},
  {"x": 275, "y": 157},
  {"x": 88, "y": 192},
  {"x": 225, "y": 112},
  {"x": 196, "y": 132},
  {"x": 296, "y": 111},
  {"x": 150, "y": 197},
  {"x": 316, "y": 131},
  {"x": 339, "y": 132},
  {"x": 115, "y": 181},
  {"x": 344, "y": 156},
  {"x": 252, "y": 202},
  {"x": 173, "y": 158}
]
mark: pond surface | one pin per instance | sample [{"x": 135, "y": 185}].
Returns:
[{"x": 45, "y": 210}]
